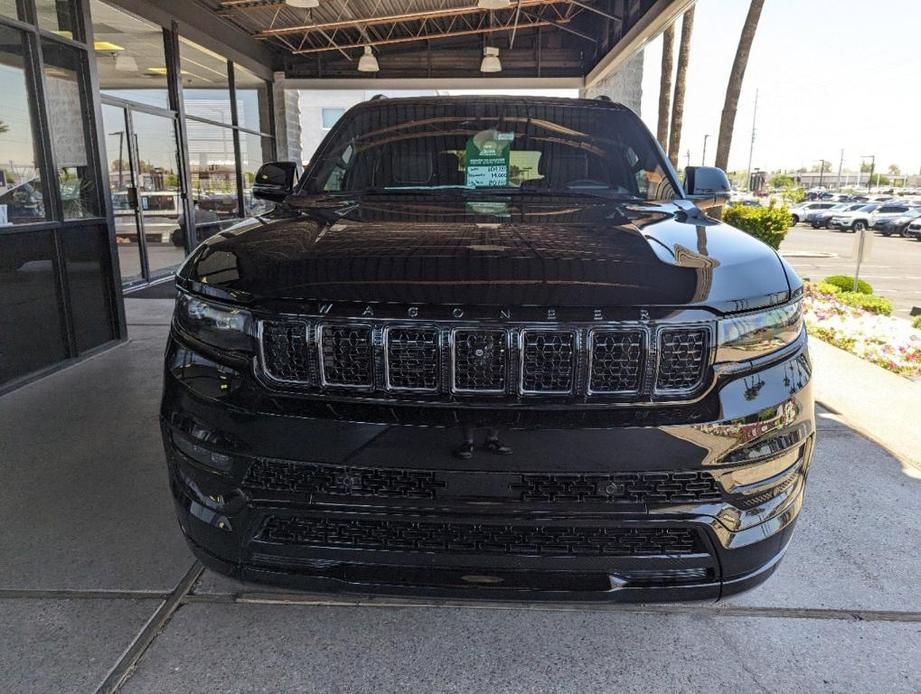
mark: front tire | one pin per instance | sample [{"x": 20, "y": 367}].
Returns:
[
  {"x": 858, "y": 226},
  {"x": 795, "y": 221}
]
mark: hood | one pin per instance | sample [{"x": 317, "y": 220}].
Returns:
[{"x": 516, "y": 251}]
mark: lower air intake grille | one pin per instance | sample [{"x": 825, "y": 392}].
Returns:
[
  {"x": 284, "y": 349},
  {"x": 640, "y": 487},
  {"x": 346, "y": 353},
  {"x": 617, "y": 361},
  {"x": 472, "y": 538},
  {"x": 334, "y": 480},
  {"x": 480, "y": 361},
  {"x": 682, "y": 359},
  {"x": 548, "y": 359},
  {"x": 412, "y": 359}
]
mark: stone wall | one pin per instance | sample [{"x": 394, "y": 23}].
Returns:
[{"x": 624, "y": 86}]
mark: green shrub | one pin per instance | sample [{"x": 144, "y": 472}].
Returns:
[
  {"x": 916, "y": 323},
  {"x": 769, "y": 224},
  {"x": 846, "y": 284},
  {"x": 867, "y": 302},
  {"x": 826, "y": 288}
]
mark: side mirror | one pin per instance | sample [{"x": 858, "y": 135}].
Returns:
[
  {"x": 275, "y": 180},
  {"x": 707, "y": 186}
]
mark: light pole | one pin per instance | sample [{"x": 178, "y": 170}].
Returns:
[
  {"x": 872, "y": 158},
  {"x": 703, "y": 156}
]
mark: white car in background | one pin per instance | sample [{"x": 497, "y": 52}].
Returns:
[
  {"x": 854, "y": 220},
  {"x": 801, "y": 212}
]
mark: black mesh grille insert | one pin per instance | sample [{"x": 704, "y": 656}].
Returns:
[
  {"x": 346, "y": 355},
  {"x": 480, "y": 360},
  {"x": 475, "y": 538},
  {"x": 641, "y": 487},
  {"x": 548, "y": 361},
  {"x": 284, "y": 349},
  {"x": 617, "y": 361},
  {"x": 682, "y": 359},
  {"x": 310, "y": 478},
  {"x": 412, "y": 358}
]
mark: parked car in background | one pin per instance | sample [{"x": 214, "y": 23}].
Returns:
[
  {"x": 897, "y": 224},
  {"x": 913, "y": 230},
  {"x": 884, "y": 217},
  {"x": 821, "y": 219},
  {"x": 799, "y": 212},
  {"x": 855, "y": 220}
]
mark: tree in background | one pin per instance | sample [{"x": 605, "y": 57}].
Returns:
[
  {"x": 734, "y": 88},
  {"x": 821, "y": 166},
  {"x": 665, "y": 85},
  {"x": 781, "y": 180},
  {"x": 894, "y": 170},
  {"x": 684, "y": 50}
]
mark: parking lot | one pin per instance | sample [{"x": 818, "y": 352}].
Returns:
[
  {"x": 893, "y": 268},
  {"x": 97, "y": 587}
]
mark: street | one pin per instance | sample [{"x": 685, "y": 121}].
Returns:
[{"x": 893, "y": 268}]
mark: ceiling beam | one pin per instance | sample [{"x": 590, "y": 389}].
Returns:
[
  {"x": 389, "y": 19},
  {"x": 424, "y": 37}
]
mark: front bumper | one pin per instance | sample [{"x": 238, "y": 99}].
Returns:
[{"x": 697, "y": 505}]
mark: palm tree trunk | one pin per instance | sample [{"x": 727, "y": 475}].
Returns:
[
  {"x": 684, "y": 49},
  {"x": 665, "y": 85},
  {"x": 728, "y": 119}
]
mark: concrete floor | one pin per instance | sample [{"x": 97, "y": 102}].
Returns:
[{"x": 97, "y": 586}]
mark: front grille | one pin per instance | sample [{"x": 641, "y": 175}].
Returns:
[
  {"x": 412, "y": 359},
  {"x": 480, "y": 361},
  {"x": 641, "y": 487},
  {"x": 548, "y": 359},
  {"x": 617, "y": 361},
  {"x": 682, "y": 359},
  {"x": 476, "y": 538},
  {"x": 284, "y": 350},
  {"x": 310, "y": 478},
  {"x": 346, "y": 355}
]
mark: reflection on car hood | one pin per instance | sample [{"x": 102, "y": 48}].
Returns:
[{"x": 521, "y": 251}]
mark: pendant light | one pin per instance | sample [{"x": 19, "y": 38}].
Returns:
[
  {"x": 367, "y": 62},
  {"x": 490, "y": 61}
]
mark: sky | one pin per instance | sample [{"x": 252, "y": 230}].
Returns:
[{"x": 830, "y": 75}]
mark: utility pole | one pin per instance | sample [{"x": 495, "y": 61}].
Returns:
[
  {"x": 688, "y": 155},
  {"x": 872, "y": 158},
  {"x": 703, "y": 157},
  {"x": 751, "y": 150},
  {"x": 821, "y": 171},
  {"x": 840, "y": 169}
]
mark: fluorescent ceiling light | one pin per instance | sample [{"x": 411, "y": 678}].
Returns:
[
  {"x": 367, "y": 62},
  {"x": 493, "y": 4},
  {"x": 304, "y": 4},
  {"x": 490, "y": 60}
]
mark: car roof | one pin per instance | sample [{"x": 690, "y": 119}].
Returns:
[{"x": 381, "y": 101}]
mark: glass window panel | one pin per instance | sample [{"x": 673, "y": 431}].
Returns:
[
  {"x": 252, "y": 100},
  {"x": 58, "y": 16},
  {"x": 86, "y": 259},
  {"x": 66, "y": 106},
  {"x": 214, "y": 177},
  {"x": 8, "y": 8},
  {"x": 331, "y": 115},
  {"x": 254, "y": 152},
  {"x": 205, "y": 84},
  {"x": 31, "y": 335},
  {"x": 130, "y": 57},
  {"x": 21, "y": 191}
]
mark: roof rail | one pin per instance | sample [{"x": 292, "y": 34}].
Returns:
[
  {"x": 604, "y": 97},
  {"x": 377, "y": 97}
]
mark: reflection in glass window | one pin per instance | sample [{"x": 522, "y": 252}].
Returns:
[
  {"x": 214, "y": 176},
  {"x": 205, "y": 82},
  {"x": 130, "y": 56},
  {"x": 58, "y": 16},
  {"x": 21, "y": 199},
  {"x": 331, "y": 115},
  {"x": 252, "y": 100},
  {"x": 64, "y": 97},
  {"x": 254, "y": 152}
]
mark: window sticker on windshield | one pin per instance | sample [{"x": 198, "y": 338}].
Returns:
[{"x": 486, "y": 160}]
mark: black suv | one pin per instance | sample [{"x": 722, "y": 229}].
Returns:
[{"x": 489, "y": 347}]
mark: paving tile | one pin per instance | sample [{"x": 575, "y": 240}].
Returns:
[
  {"x": 234, "y": 647},
  {"x": 65, "y": 645}
]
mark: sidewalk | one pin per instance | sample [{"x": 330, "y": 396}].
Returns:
[{"x": 879, "y": 404}]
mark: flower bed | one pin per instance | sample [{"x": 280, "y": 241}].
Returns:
[{"x": 889, "y": 342}]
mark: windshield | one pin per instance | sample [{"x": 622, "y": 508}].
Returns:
[{"x": 500, "y": 145}]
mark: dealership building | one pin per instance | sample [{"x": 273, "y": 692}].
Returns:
[{"x": 130, "y": 130}]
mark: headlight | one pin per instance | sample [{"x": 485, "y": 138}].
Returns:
[
  {"x": 747, "y": 337},
  {"x": 223, "y": 327}
]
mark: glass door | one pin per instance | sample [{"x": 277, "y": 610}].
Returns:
[{"x": 146, "y": 193}]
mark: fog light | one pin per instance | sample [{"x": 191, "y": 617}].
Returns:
[{"x": 202, "y": 455}]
